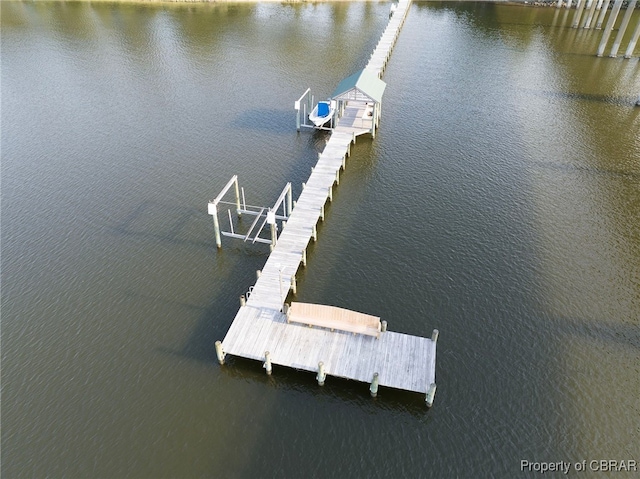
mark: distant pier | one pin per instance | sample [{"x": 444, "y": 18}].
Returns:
[{"x": 326, "y": 340}]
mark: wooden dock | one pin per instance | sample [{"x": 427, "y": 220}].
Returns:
[{"x": 260, "y": 329}]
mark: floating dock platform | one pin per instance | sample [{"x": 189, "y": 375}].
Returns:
[{"x": 262, "y": 329}]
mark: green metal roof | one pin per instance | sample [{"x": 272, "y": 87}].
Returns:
[{"x": 366, "y": 82}]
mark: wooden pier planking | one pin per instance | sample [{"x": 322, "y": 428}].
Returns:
[{"x": 401, "y": 361}]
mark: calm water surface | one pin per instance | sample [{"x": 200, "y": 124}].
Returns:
[{"x": 500, "y": 203}]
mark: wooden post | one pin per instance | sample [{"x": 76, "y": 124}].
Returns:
[
  {"x": 289, "y": 201},
  {"x": 331, "y": 193},
  {"x": 243, "y": 300},
  {"x": 267, "y": 363},
  {"x": 322, "y": 212},
  {"x": 321, "y": 374},
  {"x": 374, "y": 385},
  {"x": 294, "y": 284},
  {"x": 431, "y": 393},
  {"x": 314, "y": 233},
  {"x": 304, "y": 257},
  {"x": 633, "y": 41},
  {"x": 258, "y": 273},
  {"x": 434, "y": 335},
  {"x": 383, "y": 327},
  {"x": 338, "y": 176},
  {"x": 219, "y": 352},
  {"x": 623, "y": 28}
]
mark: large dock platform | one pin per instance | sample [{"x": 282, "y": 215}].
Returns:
[{"x": 261, "y": 329}]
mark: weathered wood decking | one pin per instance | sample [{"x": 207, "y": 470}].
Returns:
[{"x": 398, "y": 360}]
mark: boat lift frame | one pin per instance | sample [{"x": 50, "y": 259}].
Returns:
[
  {"x": 270, "y": 215},
  {"x": 305, "y": 104}
]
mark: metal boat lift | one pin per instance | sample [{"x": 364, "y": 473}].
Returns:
[
  {"x": 303, "y": 106},
  {"x": 281, "y": 210}
]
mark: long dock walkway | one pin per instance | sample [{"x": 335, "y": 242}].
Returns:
[{"x": 260, "y": 329}]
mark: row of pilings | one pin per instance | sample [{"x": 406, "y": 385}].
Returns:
[{"x": 592, "y": 14}]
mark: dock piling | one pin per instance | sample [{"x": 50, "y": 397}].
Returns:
[
  {"x": 243, "y": 300},
  {"x": 267, "y": 363},
  {"x": 431, "y": 393},
  {"x": 219, "y": 352},
  {"x": 374, "y": 385},
  {"x": 383, "y": 326},
  {"x": 633, "y": 41},
  {"x": 609, "y": 27},
  {"x": 434, "y": 335},
  {"x": 623, "y": 27},
  {"x": 321, "y": 374}
]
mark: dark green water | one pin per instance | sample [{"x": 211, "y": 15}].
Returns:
[{"x": 499, "y": 203}]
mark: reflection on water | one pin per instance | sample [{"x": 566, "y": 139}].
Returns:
[{"x": 499, "y": 203}]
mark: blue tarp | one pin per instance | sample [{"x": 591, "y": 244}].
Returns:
[{"x": 323, "y": 108}]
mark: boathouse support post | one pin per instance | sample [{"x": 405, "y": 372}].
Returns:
[
  {"x": 267, "y": 363},
  {"x": 578, "y": 15},
  {"x": 623, "y": 27},
  {"x": 374, "y": 385},
  {"x": 592, "y": 11},
  {"x": 431, "y": 393},
  {"x": 609, "y": 27},
  {"x": 633, "y": 41},
  {"x": 603, "y": 13},
  {"x": 373, "y": 121},
  {"x": 321, "y": 374},
  {"x": 219, "y": 352}
]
